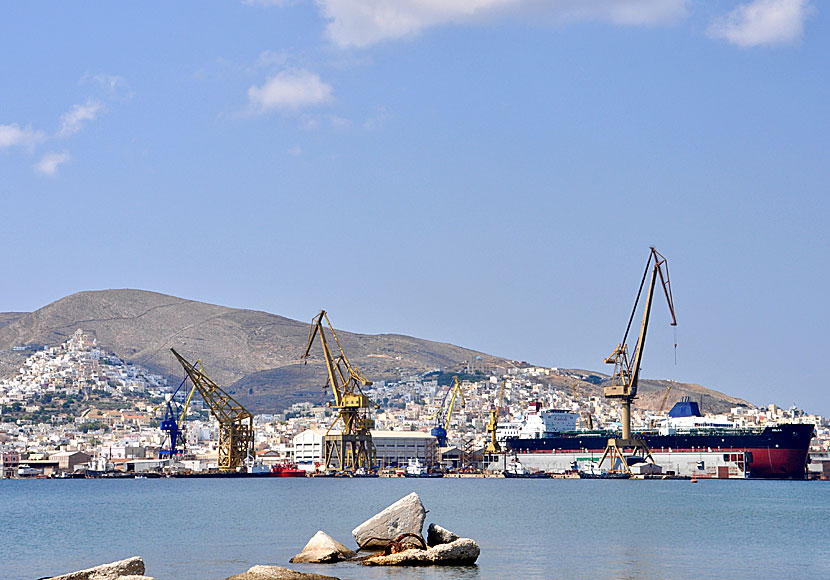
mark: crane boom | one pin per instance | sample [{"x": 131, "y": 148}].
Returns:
[
  {"x": 625, "y": 380},
  {"x": 665, "y": 400},
  {"x": 236, "y": 424}
]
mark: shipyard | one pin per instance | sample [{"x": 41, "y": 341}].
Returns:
[
  {"x": 517, "y": 425},
  {"x": 423, "y": 289}
]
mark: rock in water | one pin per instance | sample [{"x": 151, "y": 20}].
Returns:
[
  {"x": 404, "y": 516},
  {"x": 322, "y": 549},
  {"x": 437, "y": 535},
  {"x": 461, "y": 552},
  {"x": 130, "y": 568},
  {"x": 277, "y": 573}
]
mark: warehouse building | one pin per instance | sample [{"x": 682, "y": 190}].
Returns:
[{"x": 393, "y": 448}]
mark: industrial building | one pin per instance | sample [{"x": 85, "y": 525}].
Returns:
[{"x": 392, "y": 448}]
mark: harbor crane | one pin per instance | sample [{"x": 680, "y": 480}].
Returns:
[
  {"x": 236, "y": 424},
  {"x": 625, "y": 380},
  {"x": 352, "y": 448},
  {"x": 665, "y": 400},
  {"x": 493, "y": 445},
  {"x": 172, "y": 425},
  {"x": 441, "y": 417}
]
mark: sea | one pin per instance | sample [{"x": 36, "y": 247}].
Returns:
[{"x": 210, "y": 529}]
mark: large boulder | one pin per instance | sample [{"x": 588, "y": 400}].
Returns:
[
  {"x": 277, "y": 573},
  {"x": 131, "y": 568},
  {"x": 322, "y": 549},
  {"x": 437, "y": 535},
  {"x": 406, "y": 515},
  {"x": 461, "y": 552}
]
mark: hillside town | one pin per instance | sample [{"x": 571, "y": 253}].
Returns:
[{"x": 77, "y": 406}]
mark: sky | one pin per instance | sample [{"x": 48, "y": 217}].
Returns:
[{"x": 489, "y": 173}]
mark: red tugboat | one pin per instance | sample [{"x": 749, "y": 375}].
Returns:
[{"x": 287, "y": 469}]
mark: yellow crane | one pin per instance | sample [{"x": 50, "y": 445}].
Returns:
[
  {"x": 236, "y": 424},
  {"x": 625, "y": 379},
  {"x": 492, "y": 426},
  {"x": 351, "y": 448},
  {"x": 662, "y": 404},
  {"x": 665, "y": 400},
  {"x": 441, "y": 417}
]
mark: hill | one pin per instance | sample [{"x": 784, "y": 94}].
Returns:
[{"x": 254, "y": 355}]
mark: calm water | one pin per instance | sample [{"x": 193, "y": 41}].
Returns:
[{"x": 211, "y": 529}]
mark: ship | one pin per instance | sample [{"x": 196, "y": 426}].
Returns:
[{"x": 684, "y": 444}]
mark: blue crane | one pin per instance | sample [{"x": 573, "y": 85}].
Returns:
[
  {"x": 442, "y": 417},
  {"x": 172, "y": 425}
]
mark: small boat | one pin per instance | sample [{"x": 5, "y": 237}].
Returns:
[
  {"x": 360, "y": 472},
  {"x": 417, "y": 469},
  {"x": 593, "y": 471},
  {"x": 516, "y": 470},
  {"x": 287, "y": 469},
  {"x": 605, "y": 475}
]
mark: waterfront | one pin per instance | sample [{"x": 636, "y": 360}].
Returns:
[{"x": 211, "y": 529}]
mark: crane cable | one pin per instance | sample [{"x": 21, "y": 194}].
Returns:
[{"x": 675, "y": 344}]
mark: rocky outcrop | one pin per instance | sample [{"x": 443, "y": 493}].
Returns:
[
  {"x": 277, "y": 573},
  {"x": 322, "y": 549},
  {"x": 437, "y": 535},
  {"x": 406, "y": 515},
  {"x": 129, "y": 569},
  {"x": 461, "y": 552}
]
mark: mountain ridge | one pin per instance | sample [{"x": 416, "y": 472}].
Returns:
[{"x": 253, "y": 354}]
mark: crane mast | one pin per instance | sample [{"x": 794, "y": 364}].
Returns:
[
  {"x": 625, "y": 380},
  {"x": 236, "y": 424},
  {"x": 492, "y": 426},
  {"x": 352, "y": 448}
]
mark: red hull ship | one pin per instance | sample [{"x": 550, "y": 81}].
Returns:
[{"x": 287, "y": 470}]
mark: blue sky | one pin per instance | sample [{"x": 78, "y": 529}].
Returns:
[{"x": 489, "y": 173}]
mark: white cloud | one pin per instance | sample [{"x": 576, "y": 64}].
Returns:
[
  {"x": 106, "y": 81},
  {"x": 73, "y": 120},
  {"x": 763, "y": 22},
  {"x": 48, "y": 165},
  {"x": 340, "y": 122},
  {"x": 114, "y": 86},
  {"x": 272, "y": 59},
  {"x": 295, "y": 151},
  {"x": 377, "y": 120},
  {"x": 15, "y": 136},
  {"x": 290, "y": 91},
  {"x": 366, "y": 22}
]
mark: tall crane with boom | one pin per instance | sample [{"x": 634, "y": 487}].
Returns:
[
  {"x": 352, "y": 448},
  {"x": 492, "y": 426},
  {"x": 442, "y": 417},
  {"x": 236, "y": 424},
  {"x": 171, "y": 424},
  {"x": 625, "y": 379}
]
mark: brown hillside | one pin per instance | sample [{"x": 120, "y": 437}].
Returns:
[
  {"x": 255, "y": 355},
  {"x": 259, "y": 349}
]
